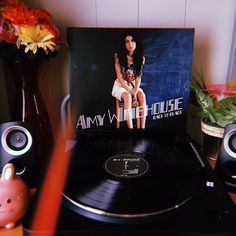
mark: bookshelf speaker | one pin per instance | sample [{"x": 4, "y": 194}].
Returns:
[
  {"x": 18, "y": 147},
  {"x": 226, "y": 160}
]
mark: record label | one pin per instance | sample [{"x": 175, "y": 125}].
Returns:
[{"x": 126, "y": 166}]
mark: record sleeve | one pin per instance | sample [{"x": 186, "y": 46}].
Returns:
[{"x": 165, "y": 77}]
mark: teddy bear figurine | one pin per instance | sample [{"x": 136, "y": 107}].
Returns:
[{"x": 14, "y": 197}]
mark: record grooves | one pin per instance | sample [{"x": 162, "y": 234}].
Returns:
[{"x": 123, "y": 178}]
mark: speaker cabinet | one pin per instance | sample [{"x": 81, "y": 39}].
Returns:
[
  {"x": 226, "y": 160},
  {"x": 18, "y": 147}
]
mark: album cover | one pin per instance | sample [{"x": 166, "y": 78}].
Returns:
[{"x": 113, "y": 68}]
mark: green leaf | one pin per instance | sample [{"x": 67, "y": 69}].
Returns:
[
  {"x": 203, "y": 99},
  {"x": 226, "y": 113}
]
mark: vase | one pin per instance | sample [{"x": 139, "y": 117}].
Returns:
[
  {"x": 212, "y": 139},
  {"x": 27, "y": 105}
]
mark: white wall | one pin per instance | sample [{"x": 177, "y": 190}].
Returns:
[{"x": 213, "y": 21}]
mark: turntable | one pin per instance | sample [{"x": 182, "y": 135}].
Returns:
[{"x": 137, "y": 183}]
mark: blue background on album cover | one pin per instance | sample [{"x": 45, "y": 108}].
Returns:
[
  {"x": 167, "y": 71},
  {"x": 168, "y": 65}
]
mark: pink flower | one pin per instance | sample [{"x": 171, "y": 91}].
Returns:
[{"x": 221, "y": 90}]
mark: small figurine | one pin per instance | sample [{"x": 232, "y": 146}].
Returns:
[{"x": 14, "y": 197}]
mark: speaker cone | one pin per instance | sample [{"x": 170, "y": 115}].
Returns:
[{"x": 16, "y": 140}]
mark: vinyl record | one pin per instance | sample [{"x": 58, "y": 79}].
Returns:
[{"x": 130, "y": 178}]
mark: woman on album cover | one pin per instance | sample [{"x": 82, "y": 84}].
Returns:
[{"x": 129, "y": 62}]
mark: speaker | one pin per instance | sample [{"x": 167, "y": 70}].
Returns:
[
  {"x": 18, "y": 147},
  {"x": 226, "y": 160}
]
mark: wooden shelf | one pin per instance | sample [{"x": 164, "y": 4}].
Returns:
[{"x": 17, "y": 231}]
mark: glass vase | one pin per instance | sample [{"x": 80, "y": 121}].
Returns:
[{"x": 28, "y": 105}]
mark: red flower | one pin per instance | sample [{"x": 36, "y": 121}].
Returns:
[
  {"x": 42, "y": 15},
  {"x": 15, "y": 15},
  {"x": 45, "y": 18},
  {"x": 20, "y": 15}
]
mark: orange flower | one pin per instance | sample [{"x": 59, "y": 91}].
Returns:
[
  {"x": 42, "y": 15},
  {"x": 18, "y": 23},
  {"x": 20, "y": 15},
  {"x": 232, "y": 85},
  {"x": 45, "y": 18}
]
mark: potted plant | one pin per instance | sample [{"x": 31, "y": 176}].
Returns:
[{"x": 217, "y": 105}]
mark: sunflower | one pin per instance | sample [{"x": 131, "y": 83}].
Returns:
[{"x": 34, "y": 37}]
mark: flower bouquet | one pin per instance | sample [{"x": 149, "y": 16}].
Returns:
[{"x": 26, "y": 33}]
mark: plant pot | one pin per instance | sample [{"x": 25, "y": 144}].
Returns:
[{"x": 212, "y": 138}]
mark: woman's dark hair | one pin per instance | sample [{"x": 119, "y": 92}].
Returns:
[{"x": 137, "y": 55}]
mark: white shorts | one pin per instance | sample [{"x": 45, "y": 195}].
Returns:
[{"x": 118, "y": 90}]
